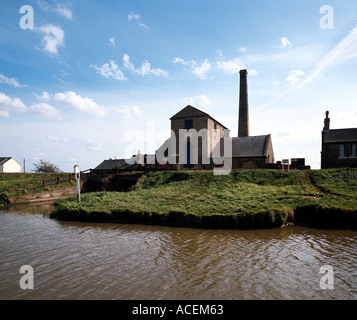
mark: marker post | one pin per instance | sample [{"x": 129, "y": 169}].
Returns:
[{"x": 77, "y": 175}]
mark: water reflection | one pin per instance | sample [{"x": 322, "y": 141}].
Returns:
[
  {"x": 45, "y": 207},
  {"x": 75, "y": 260}
]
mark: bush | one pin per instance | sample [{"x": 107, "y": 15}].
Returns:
[
  {"x": 45, "y": 167},
  {"x": 4, "y": 199}
]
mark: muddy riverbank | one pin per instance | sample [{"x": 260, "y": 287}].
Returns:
[{"x": 46, "y": 196}]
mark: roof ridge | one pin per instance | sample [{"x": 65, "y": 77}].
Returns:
[
  {"x": 201, "y": 114},
  {"x": 4, "y": 159}
]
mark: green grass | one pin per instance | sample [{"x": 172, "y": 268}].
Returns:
[
  {"x": 336, "y": 182},
  {"x": 267, "y": 196},
  {"x": 13, "y": 185}
]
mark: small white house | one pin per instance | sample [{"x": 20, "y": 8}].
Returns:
[{"x": 9, "y": 165}]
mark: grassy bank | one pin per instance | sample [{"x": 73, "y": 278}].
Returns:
[
  {"x": 16, "y": 185},
  {"x": 243, "y": 199}
]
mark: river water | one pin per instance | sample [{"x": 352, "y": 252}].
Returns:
[{"x": 113, "y": 261}]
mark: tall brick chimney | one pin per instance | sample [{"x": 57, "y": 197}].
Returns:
[{"x": 243, "y": 121}]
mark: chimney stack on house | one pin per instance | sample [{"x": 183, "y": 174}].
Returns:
[
  {"x": 243, "y": 121},
  {"x": 327, "y": 122}
]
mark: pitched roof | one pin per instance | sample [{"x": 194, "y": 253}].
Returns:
[
  {"x": 340, "y": 135},
  {"x": 252, "y": 146},
  {"x": 4, "y": 159},
  {"x": 192, "y": 112},
  {"x": 112, "y": 164}
]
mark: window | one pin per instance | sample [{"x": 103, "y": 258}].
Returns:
[
  {"x": 188, "y": 154},
  {"x": 215, "y": 126},
  {"x": 188, "y": 124},
  {"x": 348, "y": 150}
]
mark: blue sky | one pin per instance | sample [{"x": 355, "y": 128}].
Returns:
[{"x": 100, "y": 79}]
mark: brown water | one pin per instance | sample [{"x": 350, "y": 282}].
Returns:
[{"x": 111, "y": 261}]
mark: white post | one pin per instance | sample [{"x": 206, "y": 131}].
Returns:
[
  {"x": 286, "y": 162},
  {"x": 77, "y": 176}
]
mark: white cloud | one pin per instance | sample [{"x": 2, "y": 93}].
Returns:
[
  {"x": 253, "y": 72},
  {"x": 59, "y": 9},
  {"x": 230, "y": 67},
  {"x": 110, "y": 70},
  {"x": 128, "y": 65},
  {"x": 345, "y": 118},
  {"x": 141, "y": 25},
  {"x": 137, "y": 111},
  {"x": 11, "y": 104},
  {"x": 64, "y": 12},
  {"x": 54, "y": 38},
  {"x": 40, "y": 155},
  {"x": 304, "y": 57},
  {"x": 182, "y": 61},
  {"x": 11, "y": 81},
  {"x": 129, "y": 111},
  {"x": 133, "y": 16},
  {"x": 293, "y": 77},
  {"x": 84, "y": 105},
  {"x": 45, "y": 110},
  {"x": 43, "y": 5},
  {"x": 136, "y": 17},
  {"x": 201, "y": 71},
  {"x": 145, "y": 68},
  {"x": 55, "y": 139},
  {"x": 111, "y": 42},
  {"x": 285, "y": 43},
  {"x": 220, "y": 53},
  {"x": 93, "y": 145},
  {"x": 4, "y": 114},
  {"x": 202, "y": 101},
  {"x": 44, "y": 96},
  {"x": 344, "y": 50}
]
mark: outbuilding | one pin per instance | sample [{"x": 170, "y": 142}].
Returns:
[
  {"x": 339, "y": 146},
  {"x": 9, "y": 165}
]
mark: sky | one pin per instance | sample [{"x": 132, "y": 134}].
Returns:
[{"x": 82, "y": 81}]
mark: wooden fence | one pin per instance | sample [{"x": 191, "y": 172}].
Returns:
[
  {"x": 71, "y": 176},
  {"x": 57, "y": 180},
  {"x": 124, "y": 170}
]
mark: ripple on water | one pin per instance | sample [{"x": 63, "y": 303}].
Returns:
[{"x": 108, "y": 261}]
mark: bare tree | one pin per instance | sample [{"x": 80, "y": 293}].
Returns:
[{"x": 44, "y": 166}]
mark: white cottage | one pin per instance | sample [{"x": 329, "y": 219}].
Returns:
[{"x": 9, "y": 165}]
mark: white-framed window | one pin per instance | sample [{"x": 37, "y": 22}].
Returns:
[
  {"x": 342, "y": 153},
  {"x": 353, "y": 150}
]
